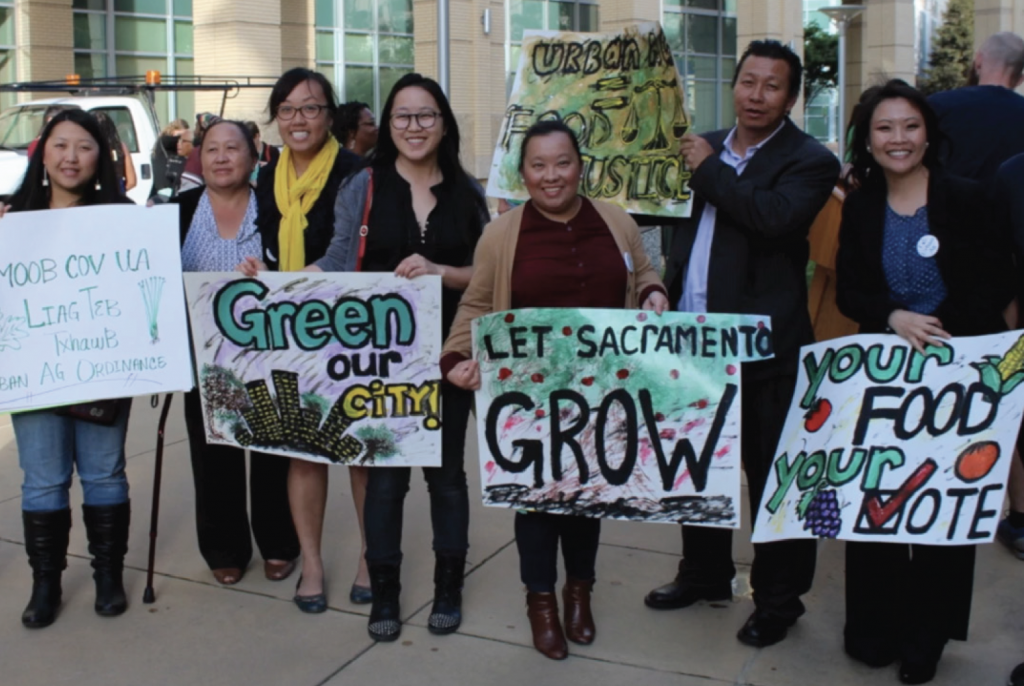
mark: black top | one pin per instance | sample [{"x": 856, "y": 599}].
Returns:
[
  {"x": 187, "y": 203},
  {"x": 453, "y": 228},
  {"x": 983, "y": 124},
  {"x": 320, "y": 218},
  {"x": 974, "y": 259},
  {"x": 1008, "y": 207}
]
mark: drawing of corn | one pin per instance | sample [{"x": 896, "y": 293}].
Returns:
[
  {"x": 1003, "y": 374},
  {"x": 152, "y": 288}
]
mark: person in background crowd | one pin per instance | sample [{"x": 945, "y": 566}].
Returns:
[
  {"x": 218, "y": 231},
  {"x": 426, "y": 215},
  {"x": 168, "y": 162},
  {"x": 356, "y": 128},
  {"x": 906, "y": 601},
  {"x": 295, "y": 198},
  {"x": 72, "y": 167},
  {"x": 757, "y": 189},
  {"x": 268, "y": 154},
  {"x": 521, "y": 262},
  {"x": 122, "y": 156},
  {"x": 192, "y": 175}
]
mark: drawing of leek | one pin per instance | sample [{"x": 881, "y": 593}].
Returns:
[
  {"x": 151, "y": 289},
  {"x": 10, "y": 331}
]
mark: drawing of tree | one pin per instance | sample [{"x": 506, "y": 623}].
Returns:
[{"x": 223, "y": 392}]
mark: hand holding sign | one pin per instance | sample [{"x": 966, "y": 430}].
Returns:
[{"x": 917, "y": 329}]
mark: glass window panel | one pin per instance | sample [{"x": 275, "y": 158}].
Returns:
[
  {"x": 729, "y": 36},
  {"x": 682, "y": 64},
  {"x": 396, "y": 50},
  {"x": 728, "y": 68},
  {"x": 702, "y": 4},
  {"x": 674, "y": 25},
  {"x": 140, "y": 35},
  {"x": 141, "y": 6},
  {"x": 730, "y": 6},
  {"x": 7, "y": 26},
  {"x": 90, "y": 31},
  {"x": 182, "y": 8},
  {"x": 329, "y": 71},
  {"x": 588, "y": 18},
  {"x": 130, "y": 65},
  {"x": 513, "y": 58},
  {"x": 90, "y": 4},
  {"x": 703, "y": 34},
  {"x": 325, "y": 46},
  {"x": 324, "y": 14},
  {"x": 561, "y": 16},
  {"x": 395, "y": 16},
  {"x": 122, "y": 119},
  {"x": 526, "y": 14},
  {"x": 359, "y": 84},
  {"x": 186, "y": 107},
  {"x": 8, "y": 74},
  {"x": 183, "y": 37},
  {"x": 728, "y": 118},
  {"x": 90, "y": 65},
  {"x": 701, "y": 96},
  {"x": 702, "y": 67},
  {"x": 388, "y": 78},
  {"x": 359, "y": 47},
  {"x": 359, "y": 15}
]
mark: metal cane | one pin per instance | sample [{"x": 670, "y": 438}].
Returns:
[{"x": 148, "y": 595}]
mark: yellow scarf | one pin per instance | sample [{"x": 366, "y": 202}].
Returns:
[{"x": 295, "y": 197}]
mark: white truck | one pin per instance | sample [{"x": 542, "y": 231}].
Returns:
[{"x": 138, "y": 129}]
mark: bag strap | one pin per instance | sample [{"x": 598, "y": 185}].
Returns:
[{"x": 365, "y": 227}]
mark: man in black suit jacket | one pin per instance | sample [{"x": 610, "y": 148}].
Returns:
[{"x": 757, "y": 189}]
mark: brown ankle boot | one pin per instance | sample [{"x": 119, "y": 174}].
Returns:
[
  {"x": 579, "y": 622},
  {"x": 542, "y": 609}
]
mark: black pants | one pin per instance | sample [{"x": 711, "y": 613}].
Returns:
[
  {"x": 782, "y": 570},
  {"x": 537, "y": 537},
  {"x": 906, "y": 599},
  {"x": 449, "y": 497},
  {"x": 222, "y": 518}
]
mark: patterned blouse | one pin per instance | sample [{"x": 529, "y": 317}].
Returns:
[
  {"x": 206, "y": 251},
  {"x": 914, "y": 280}
]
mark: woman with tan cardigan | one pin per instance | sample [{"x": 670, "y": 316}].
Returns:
[{"x": 559, "y": 249}]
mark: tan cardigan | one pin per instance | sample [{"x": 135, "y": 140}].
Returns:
[{"x": 490, "y": 290}]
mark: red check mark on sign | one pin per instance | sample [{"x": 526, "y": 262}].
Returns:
[{"x": 879, "y": 514}]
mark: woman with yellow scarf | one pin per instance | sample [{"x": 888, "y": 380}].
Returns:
[{"x": 295, "y": 198}]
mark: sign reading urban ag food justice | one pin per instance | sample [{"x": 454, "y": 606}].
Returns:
[
  {"x": 335, "y": 368},
  {"x": 614, "y": 413},
  {"x": 620, "y": 93},
  {"x": 884, "y": 443},
  {"x": 91, "y": 306}
]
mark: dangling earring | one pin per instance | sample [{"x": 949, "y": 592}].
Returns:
[
  {"x": 98, "y": 186},
  {"x": 869, "y": 148},
  {"x": 46, "y": 178}
]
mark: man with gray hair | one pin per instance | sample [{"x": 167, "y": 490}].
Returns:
[{"x": 985, "y": 121}]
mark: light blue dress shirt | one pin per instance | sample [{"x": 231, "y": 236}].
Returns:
[{"x": 695, "y": 288}]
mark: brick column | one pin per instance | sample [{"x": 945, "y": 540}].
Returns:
[
  {"x": 614, "y": 14},
  {"x": 879, "y": 46},
  {"x": 298, "y": 34},
  {"x": 780, "y": 20},
  {"x": 44, "y": 35},
  {"x": 993, "y": 16},
  {"x": 238, "y": 38}
]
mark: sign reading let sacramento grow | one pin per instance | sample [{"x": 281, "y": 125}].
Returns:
[
  {"x": 614, "y": 413},
  {"x": 336, "y": 368}
]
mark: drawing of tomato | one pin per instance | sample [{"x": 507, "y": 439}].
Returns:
[
  {"x": 977, "y": 461},
  {"x": 817, "y": 415},
  {"x": 504, "y": 373}
]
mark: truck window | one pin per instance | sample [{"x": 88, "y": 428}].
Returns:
[{"x": 122, "y": 118}]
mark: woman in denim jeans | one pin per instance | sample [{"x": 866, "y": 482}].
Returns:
[{"x": 70, "y": 167}]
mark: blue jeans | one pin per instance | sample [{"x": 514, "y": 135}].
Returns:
[{"x": 50, "y": 446}]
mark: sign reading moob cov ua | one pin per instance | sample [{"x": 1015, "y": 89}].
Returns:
[
  {"x": 883, "y": 443},
  {"x": 620, "y": 93},
  {"x": 91, "y": 306},
  {"x": 336, "y": 368},
  {"x": 614, "y": 413}
]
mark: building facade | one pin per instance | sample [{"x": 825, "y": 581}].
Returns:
[{"x": 364, "y": 46}]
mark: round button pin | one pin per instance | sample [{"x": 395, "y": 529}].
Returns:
[{"x": 928, "y": 246}]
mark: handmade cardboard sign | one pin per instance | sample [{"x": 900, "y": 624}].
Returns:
[
  {"x": 883, "y": 443},
  {"x": 614, "y": 413},
  {"x": 620, "y": 93},
  {"x": 91, "y": 306},
  {"x": 335, "y": 368}
]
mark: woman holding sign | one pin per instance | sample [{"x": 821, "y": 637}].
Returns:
[
  {"x": 423, "y": 215},
  {"x": 295, "y": 196},
  {"x": 916, "y": 258},
  {"x": 72, "y": 167},
  {"x": 521, "y": 262}
]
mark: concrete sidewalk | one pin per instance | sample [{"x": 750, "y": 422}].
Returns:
[{"x": 201, "y": 633}]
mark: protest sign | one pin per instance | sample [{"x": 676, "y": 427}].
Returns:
[
  {"x": 620, "y": 93},
  {"x": 883, "y": 443},
  {"x": 91, "y": 306},
  {"x": 614, "y": 413},
  {"x": 336, "y": 368}
]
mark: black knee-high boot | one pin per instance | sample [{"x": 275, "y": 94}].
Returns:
[
  {"x": 385, "y": 614},
  {"x": 46, "y": 542},
  {"x": 107, "y": 529}
]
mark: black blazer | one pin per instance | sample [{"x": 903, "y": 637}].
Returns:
[
  {"x": 187, "y": 203},
  {"x": 974, "y": 258},
  {"x": 320, "y": 218},
  {"x": 759, "y": 252},
  {"x": 1008, "y": 211}
]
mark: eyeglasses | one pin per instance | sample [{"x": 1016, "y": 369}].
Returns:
[
  {"x": 287, "y": 112},
  {"x": 424, "y": 120}
]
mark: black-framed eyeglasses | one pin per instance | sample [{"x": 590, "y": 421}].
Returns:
[
  {"x": 425, "y": 119},
  {"x": 311, "y": 111}
]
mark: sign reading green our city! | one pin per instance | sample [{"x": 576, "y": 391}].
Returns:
[
  {"x": 885, "y": 443},
  {"x": 620, "y": 93},
  {"x": 91, "y": 306},
  {"x": 335, "y": 368},
  {"x": 614, "y": 413}
]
